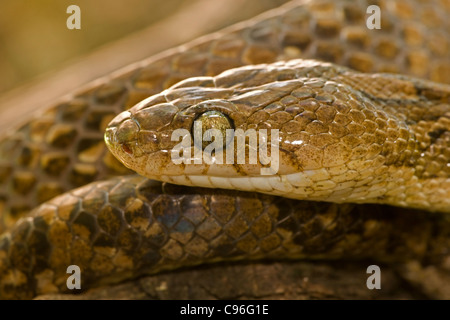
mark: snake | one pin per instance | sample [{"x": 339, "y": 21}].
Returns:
[{"x": 361, "y": 120}]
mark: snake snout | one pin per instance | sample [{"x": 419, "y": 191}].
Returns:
[{"x": 122, "y": 136}]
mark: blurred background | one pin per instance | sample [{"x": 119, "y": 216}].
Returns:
[
  {"x": 41, "y": 59},
  {"x": 34, "y": 39}
]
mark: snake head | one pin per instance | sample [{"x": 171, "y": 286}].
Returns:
[{"x": 302, "y": 129}]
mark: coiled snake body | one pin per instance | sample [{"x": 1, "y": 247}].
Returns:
[{"x": 345, "y": 137}]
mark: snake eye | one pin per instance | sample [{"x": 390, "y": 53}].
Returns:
[{"x": 211, "y": 126}]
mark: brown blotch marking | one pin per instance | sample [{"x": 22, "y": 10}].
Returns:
[
  {"x": 19, "y": 256},
  {"x": 247, "y": 244},
  {"x": 299, "y": 40},
  {"x": 123, "y": 260},
  {"x": 17, "y": 211},
  {"x": 262, "y": 226},
  {"x": 60, "y": 259},
  {"x": 44, "y": 218},
  {"x": 352, "y": 13},
  {"x": 90, "y": 150},
  {"x": 289, "y": 224},
  {"x": 361, "y": 61},
  {"x": 270, "y": 243},
  {"x": 386, "y": 48},
  {"x": 356, "y": 36},
  {"x": 54, "y": 163},
  {"x": 109, "y": 93},
  {"x": 249, "y": 208},
  {"x": 39, "y": 129},
  {"x": 193, "y": 208},
  {"x": 155, "y": 234},
  {"x": 4, "y": 247},
  {"x": 73, "y": 110},
  {"x": 137, "y": 214},
  {"x": 61, "y": 135},
  {"x": 150, "y": 77},
  {"x": 23, "y": 182},
  {"x": 101, "y": 265},
  {"x": 237, "y": 227},
  {"x": 98, "y": 120},
  {"x": 329, "y": 52},
  {"x": 436, "y": 134},
  {"x": 20, "y": 232},
  {"x": 5, "y": 171},
  {"x": 223, "y": 208},
  {"x": 28, "y": 156},
  {"x": 129, "y": 239},
  {"x": 357, "y": 116},
  {"x": 173, "y": 79},
  {"x": 38, "y": 245},
  {"x": 114, "y": 165},
  {"x": 355, "y": 129},
  {"x": 322, "y": 140},
  {"x": 47, "y": 191},
  {"x": 82, "y": 174},
  {"x": 224, "y": 246},
  {"x": 166, "y": 211},
  {"x": 327, "y": 27},
  {"x": 228, "y": 47},
  {"x": 84, "y": 225},
  {"x": 309, "y": 104},
  {"x": 59, "y": 234},
  {"x": 81, "y": 253},
  {"x": 182, "y": 231},
  {"x": 17, "y": 281},
  {"x": 197, "y": 247},
  {"x": 258, "y": 54},
  {"x": 209, "y": 228},
  {"x": 11, "y": 146},
  {"x": 430, "y": 17},
  {"x": 308, "y": 231},
  {"x": 280, "y": 117},
  {"x": 110, "y": 219},
  {"x": 172, "y": 250},
  {"x": 44, "y": 281},
  {"x": 103, "y": 241}
]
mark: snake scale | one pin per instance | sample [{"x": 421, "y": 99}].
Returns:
[{"x": 384, "y": 136}]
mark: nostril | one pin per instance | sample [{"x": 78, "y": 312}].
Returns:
[{"x": 127, "y": 149}]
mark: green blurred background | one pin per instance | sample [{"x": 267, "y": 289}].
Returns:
[{"x": 34, "y": 38}]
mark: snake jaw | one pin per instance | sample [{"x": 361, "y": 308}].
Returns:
[{"x": 335, "y": 143}]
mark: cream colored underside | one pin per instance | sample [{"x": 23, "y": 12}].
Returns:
[{"x": 394, "y": 186}]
